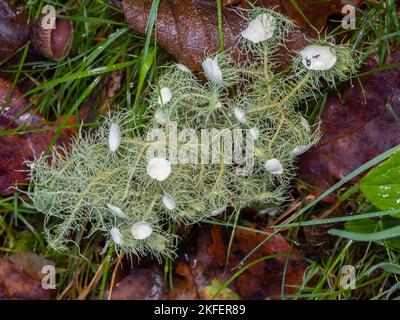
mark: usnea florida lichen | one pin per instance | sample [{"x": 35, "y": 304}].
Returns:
[{"x": 110, "y": 183}]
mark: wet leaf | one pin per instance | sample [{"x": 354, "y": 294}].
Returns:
[
  {"x": 356, "y": 126},
  {"x": 14, "y": 30},
  {"x": 381, "y": 185},
  {"x": 17, "y": 113},
  {"x": 16, "y": 280}
]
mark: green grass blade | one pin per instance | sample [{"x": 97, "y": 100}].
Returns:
[{"x": 366, "y": 237}]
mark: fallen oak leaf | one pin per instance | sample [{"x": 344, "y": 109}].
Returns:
[
  {"x": 16, "y": 149},
  {"x": 356, "y": 130}
]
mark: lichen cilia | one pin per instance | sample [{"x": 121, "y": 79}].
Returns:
[{"x": 107, "y": 181}]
